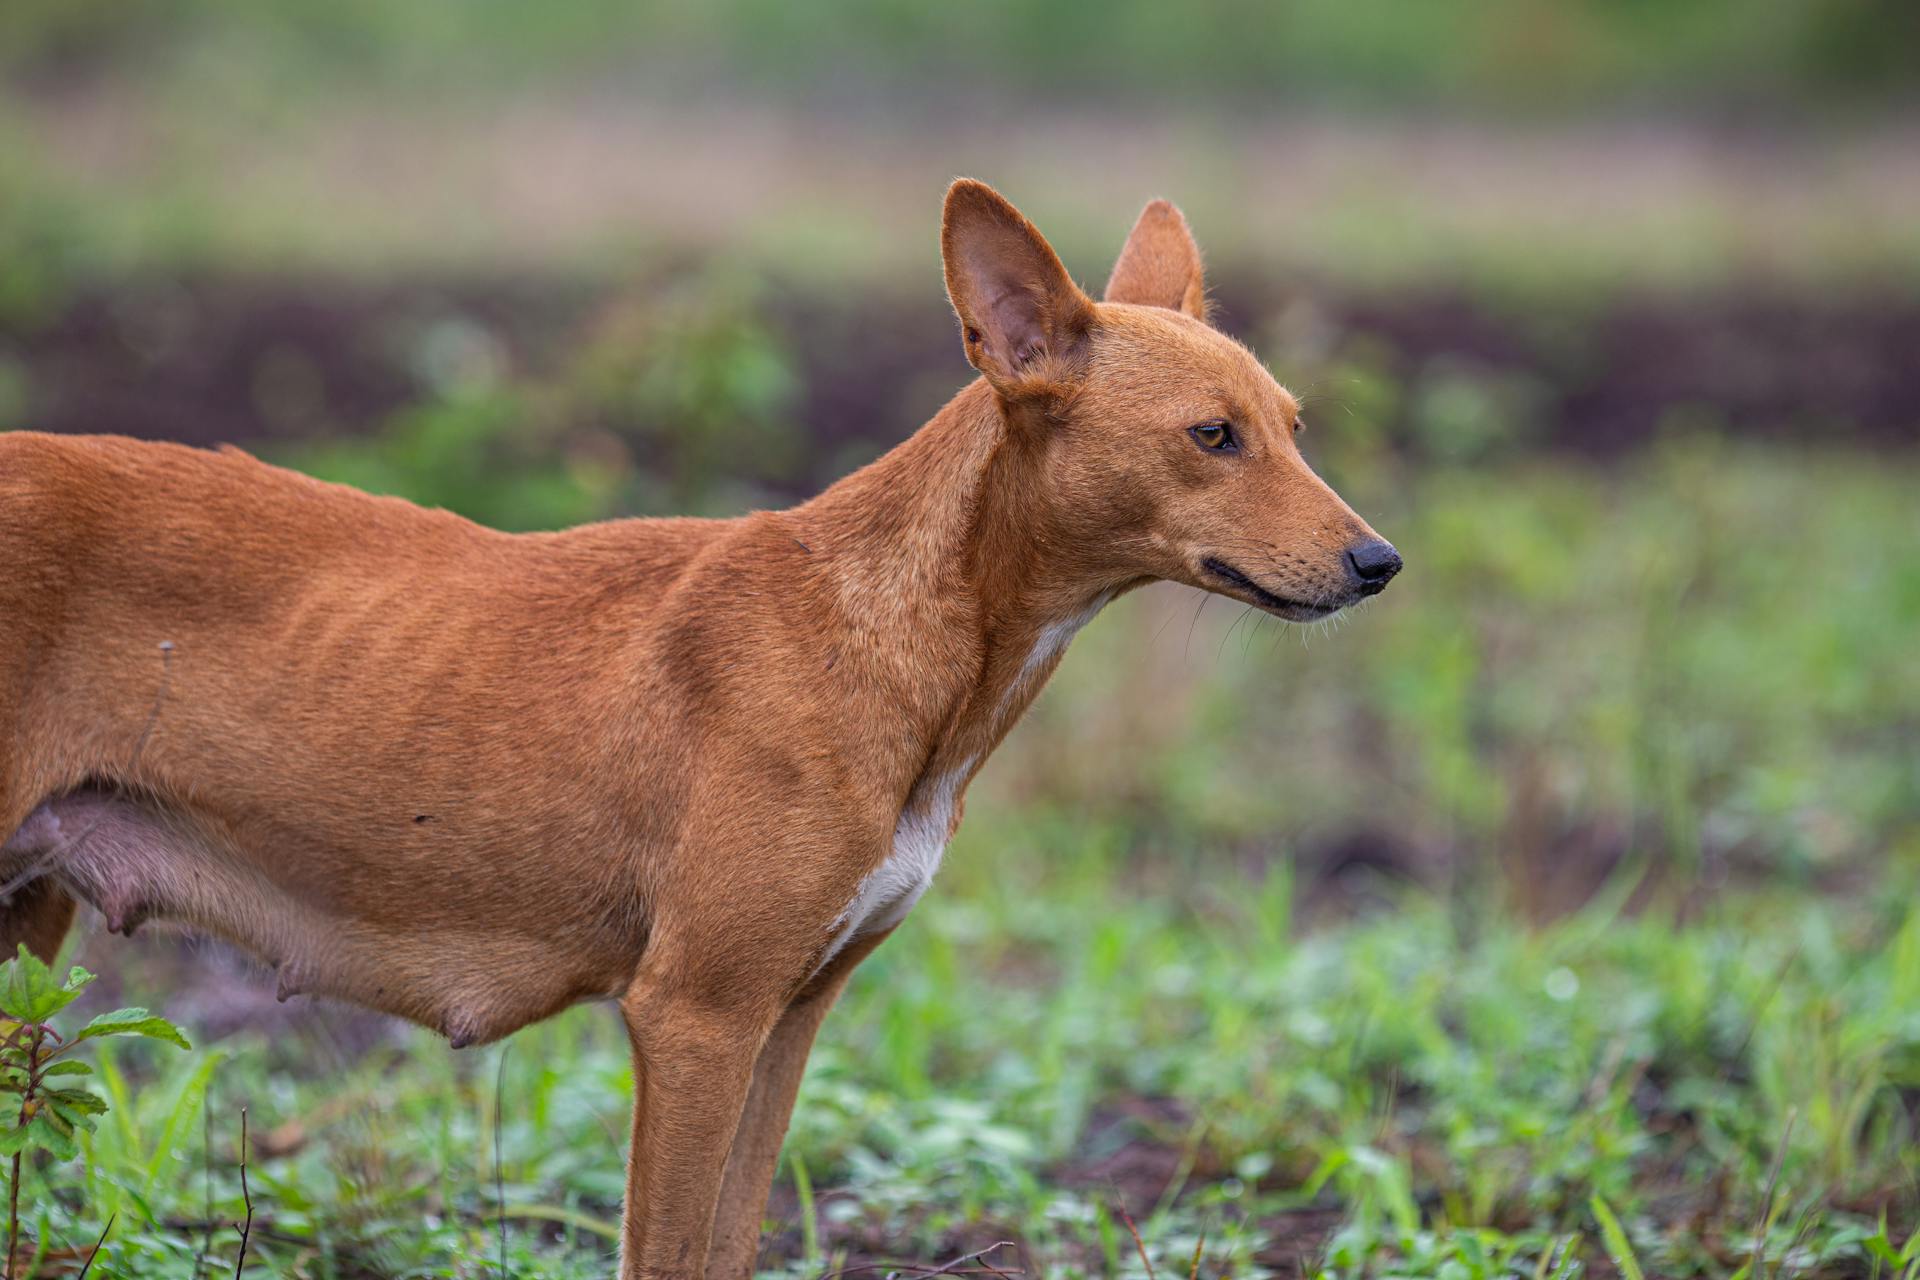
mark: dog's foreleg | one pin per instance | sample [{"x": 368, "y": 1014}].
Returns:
[
  {"x": 693, "y": 1060},
  {"x": 763, "y": 1123}
]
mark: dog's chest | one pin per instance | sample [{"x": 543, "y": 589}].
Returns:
[
  {"x": 926, "y": 822},
  {"x": 919, "y": 840}
]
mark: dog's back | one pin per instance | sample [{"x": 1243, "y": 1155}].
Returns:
[{"x": 193, "y": 642}]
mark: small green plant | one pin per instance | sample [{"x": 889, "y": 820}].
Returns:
[
  {"x": 1614, "y": 1236},
  {"x": 36, "y": 1069},
  {"x": 1901, "y": 1264}
]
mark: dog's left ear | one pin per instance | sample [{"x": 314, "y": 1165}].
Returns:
[
  {"x": 1021, "y": 315},
  {"x": 1160, "y": 264}
]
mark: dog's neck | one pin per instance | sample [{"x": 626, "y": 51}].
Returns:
[{"x": 952, "y": 575}]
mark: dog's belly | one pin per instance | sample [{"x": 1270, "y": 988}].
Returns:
[{"x": 135, "y": 861}]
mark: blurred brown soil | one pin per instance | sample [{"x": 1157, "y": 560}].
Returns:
[{"x": 252, "y": 360}]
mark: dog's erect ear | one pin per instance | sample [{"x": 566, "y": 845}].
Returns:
[
  {"x": 1160, "y": 264},
  {"x": 1021, "y": 316}
]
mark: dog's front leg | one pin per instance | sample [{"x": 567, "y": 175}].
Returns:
[
  {"x": 763, "y": 1124},
  {"x": 693, "y": 1059}
]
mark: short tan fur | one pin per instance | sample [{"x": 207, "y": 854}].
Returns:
[{"x": 696, "y": 767}]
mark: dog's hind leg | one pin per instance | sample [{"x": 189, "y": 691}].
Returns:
[
  {"x": 34, "y": 908},
  {"x": 38, "y": 914}
]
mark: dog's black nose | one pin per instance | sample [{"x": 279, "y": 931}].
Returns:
[{"x": 1374, "y": 561}]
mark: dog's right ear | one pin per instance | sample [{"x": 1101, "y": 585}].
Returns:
[
  {"x": 1160, "y": 264},
  {"x": 1021, "y": 316}
]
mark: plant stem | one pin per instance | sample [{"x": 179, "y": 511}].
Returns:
[
  {"x": 246, "y": 1230},
  {"x": 13, "y": 1186},
  {"x": 13, "y": 1213}
]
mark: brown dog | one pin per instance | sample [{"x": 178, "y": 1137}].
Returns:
[{"x": 699, "y": 767}]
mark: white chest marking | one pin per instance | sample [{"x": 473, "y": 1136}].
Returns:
[
  {"x": 919, "y": 839},
  {"x": 920, "y": 836}
]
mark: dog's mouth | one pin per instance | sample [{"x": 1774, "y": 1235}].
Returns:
[{"x": 1252, "y": 592}]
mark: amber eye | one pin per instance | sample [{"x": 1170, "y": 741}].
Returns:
[{"x": 1217, "y": 436}]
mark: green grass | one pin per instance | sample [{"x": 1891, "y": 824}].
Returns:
[
  {"x": 1556, "y": 914},
  {"x": 1358, "y": 52},
  {"x": 1642, "y": 988},
  {"x": 1454, "y": 1085},
  {"x": 1352, "y": 52}
]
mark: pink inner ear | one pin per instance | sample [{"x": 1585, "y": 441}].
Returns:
[
  {"x": 1015, "y": 319},
  {"x": 1012, "y": 294}
]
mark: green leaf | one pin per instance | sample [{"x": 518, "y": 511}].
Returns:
[
  {"x": 567, "y": 1217},
  {"x": 14, "y": 1139},
  {"x": 69, "y": 1067},
  {"x": 28, "y": 992},
  {"x": 1615, "y": 1239},
  {"x": 1569, "y": 1265},
  {"x": 133, "y": 1022},
  {"x": 186, "y": 1111},
  {"x": 53, "y": 1134},
  {"x": 77, "y": 1100}
]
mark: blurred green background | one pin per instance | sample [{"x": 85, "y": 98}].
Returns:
[{"x": 1572, "y": 883}]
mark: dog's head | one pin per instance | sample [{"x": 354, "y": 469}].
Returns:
[{"x": 1164, "y": 448}]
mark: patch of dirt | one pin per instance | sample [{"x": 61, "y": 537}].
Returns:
[
  {"x": 1297, "y": 1240},
  {"x": 1136, "y": 1150},
  {"x": 864, "y": 1249}
]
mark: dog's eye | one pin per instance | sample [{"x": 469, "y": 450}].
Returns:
[{"x": 1217, "y": 436}]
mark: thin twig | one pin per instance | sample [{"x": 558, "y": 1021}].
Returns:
[
  {"x": 98, "y": 1245},
  {"x": 499, "y": 1178},
  {"x": 1193, "y": 1273},
  {"x": 957, "y": 1267},
  {"x": 1753, "y": 1020},
  {"x": 262, "y": 1227},
  {"x": 206, "y": 1172},
  {"x": 246, "y": 1194},
  {"x": 993, "y": 1270},
  {"x": 1766, "y": 1205},
  {"x": 977, "y": 1256},
  {"x": 1138, "y": 1243}
]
